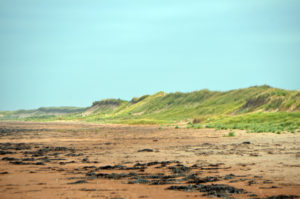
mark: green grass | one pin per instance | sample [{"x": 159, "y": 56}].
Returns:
[{"x": 259, "y": 122}]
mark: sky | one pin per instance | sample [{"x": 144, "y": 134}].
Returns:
[{"x": 74, "y": 52}]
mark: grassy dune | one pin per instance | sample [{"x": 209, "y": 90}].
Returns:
[
  {"x": 43, "y": 113},
  {"x": 256, "y": 109}
]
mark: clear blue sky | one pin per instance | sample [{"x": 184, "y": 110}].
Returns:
[{"x": 71, "y": 52}]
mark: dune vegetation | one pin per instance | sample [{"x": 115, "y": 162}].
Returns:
[{"x": 255, "y": 109}]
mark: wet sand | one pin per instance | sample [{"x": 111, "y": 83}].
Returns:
[{"x": 80, "y": 160}]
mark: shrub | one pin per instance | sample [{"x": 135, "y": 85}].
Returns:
[
  {"x": 231, "y": 133},
  {"x": 197, "y": 126},
  {"x": 136, "y": 100},
  {"x": 209, "y": 126},
  {"x": 116, "y": 102},
  {"x": 196, "y": 120}
]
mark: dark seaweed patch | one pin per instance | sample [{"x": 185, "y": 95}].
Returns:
[
  {"x": 145, "y": 150},
  {"x": 217, "y": 190},
  {"x": 78, "y": 182}
]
